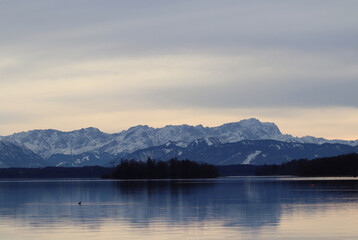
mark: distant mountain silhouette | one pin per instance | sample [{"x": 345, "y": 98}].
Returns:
[
  {"x": 243, "y": 142},
  {"x": 257, "y": 152}
]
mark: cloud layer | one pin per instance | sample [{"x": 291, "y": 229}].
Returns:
[{"x": 113, "y": 64}]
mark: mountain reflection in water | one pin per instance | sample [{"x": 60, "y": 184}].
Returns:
[{"x": 238, "y": 204}]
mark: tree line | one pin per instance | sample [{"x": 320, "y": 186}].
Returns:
[
  {"x": 343, "y": 165},
  {"x": 172, "y": 169},
  {"x": 55, "y": 172}
]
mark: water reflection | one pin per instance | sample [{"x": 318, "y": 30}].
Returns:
[{"x": 238, "y": 204}]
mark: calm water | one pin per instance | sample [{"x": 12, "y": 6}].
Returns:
[{"x": 230, "y": 208}]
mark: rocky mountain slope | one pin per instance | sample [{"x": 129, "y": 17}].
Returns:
[
  {"x": 49, "y": 142},
  {"x": 90, "y": 146},
  {"x": 258, "y": 152},
  {"x": 13, "y": 155}
]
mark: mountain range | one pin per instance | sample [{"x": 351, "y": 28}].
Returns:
[
  {"x": 256, "y": 152},
  {"x": 248, "y": 141}
]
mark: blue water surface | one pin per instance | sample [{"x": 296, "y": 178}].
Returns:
[{"x": 223, "y": 208}]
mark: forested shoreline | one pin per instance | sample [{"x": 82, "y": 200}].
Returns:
[
  {"x": 172, "y": 169},
  {"x": 343, "y": 165},
  {"x": 55, "y": 172},
  {"x": 127, "y": 169}
]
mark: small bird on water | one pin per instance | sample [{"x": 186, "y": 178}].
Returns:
[{"x": 79, "y": 203}]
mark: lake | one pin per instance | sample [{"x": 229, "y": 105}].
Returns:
[{"x": 223, "y": 208}]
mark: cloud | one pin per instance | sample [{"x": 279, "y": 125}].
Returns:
[
  {"x": 288, "y": 80},
  {"x": 260, "y": 80},
  {"x": 130, "y": 28},
  {"x": 63, "y": 59}
]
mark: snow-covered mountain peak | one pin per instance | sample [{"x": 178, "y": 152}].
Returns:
[
  {"x": 49, "y": 142},
  {"x": 265, "y": 127},
  {"x": 138, "y": 127},
  {"x": 88, "y": 130}
]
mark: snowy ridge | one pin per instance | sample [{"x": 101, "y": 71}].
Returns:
[
  {"x": 251, "y": 157},
  {"x": 14, "y": 155},
  {"x": 257, "y": 152},
  {"x": 47, "y": 143}
]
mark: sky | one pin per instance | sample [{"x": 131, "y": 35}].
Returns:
[{"x": 70, "y": 64}]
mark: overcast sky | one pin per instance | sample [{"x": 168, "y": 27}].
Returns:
[{"x": 115, "y": 64}]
